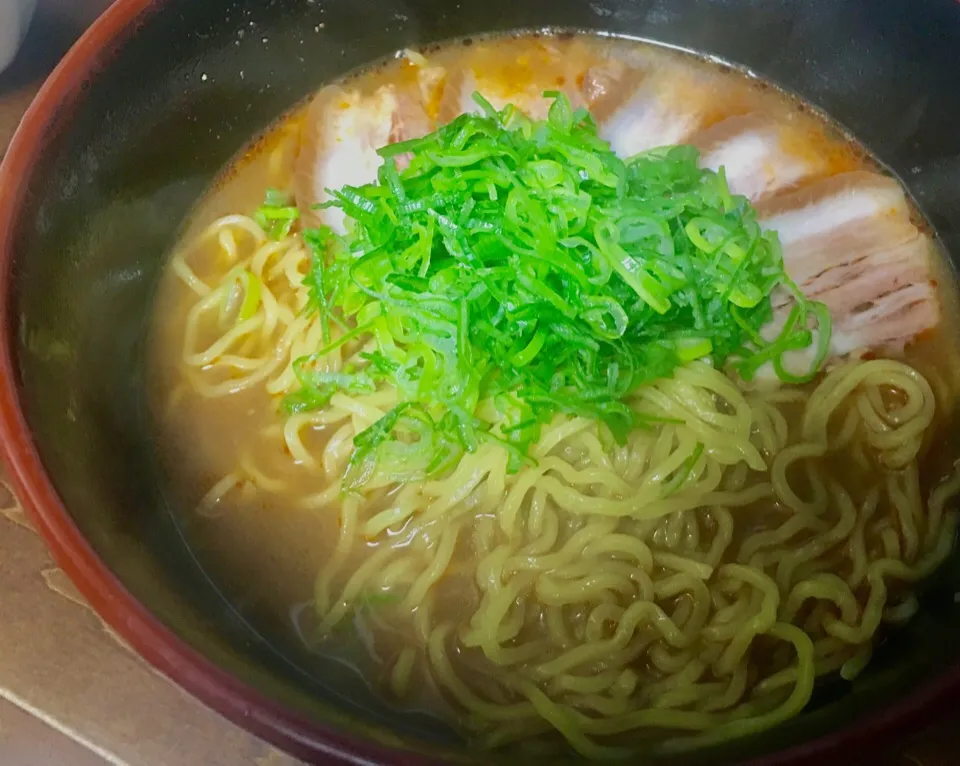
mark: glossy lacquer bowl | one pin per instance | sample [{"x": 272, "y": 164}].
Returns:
[{"x": 133, "y": 126}]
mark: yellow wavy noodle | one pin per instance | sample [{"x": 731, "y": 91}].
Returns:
[{"x": 682, "y": 589}]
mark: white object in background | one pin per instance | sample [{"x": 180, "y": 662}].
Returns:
[{"x": 14, "y": 20}]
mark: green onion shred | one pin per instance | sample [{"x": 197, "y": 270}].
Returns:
[{"x": 516, "y": 269}]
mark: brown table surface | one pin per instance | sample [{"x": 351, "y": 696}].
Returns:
[{"x": 72, "y": 693}]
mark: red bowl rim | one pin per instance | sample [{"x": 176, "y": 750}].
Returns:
[{"x": 232, "y": 698}]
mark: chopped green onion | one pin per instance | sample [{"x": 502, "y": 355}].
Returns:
[
  {"x": 689, "y": 349},
  {"x": 251, "y": 295},
  {"x": 244, "y": 286},
  {"x": 681, "y": 475},
  {"x": 276, "y": 215},
  {"x": 522, "y": 263}
]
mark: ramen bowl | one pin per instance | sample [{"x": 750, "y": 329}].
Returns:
[{"x": 134, "y": 125}]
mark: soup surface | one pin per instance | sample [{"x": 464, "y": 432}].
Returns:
[{"x": 667, "y": 558}]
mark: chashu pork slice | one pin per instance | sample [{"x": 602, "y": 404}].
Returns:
[
  {"x": 760, "y": 156},
  {"x": 342, "y": 131},
  {"x": 849, "y": 242},
  {"x": 638, "y": 109},
  {"x": 521, "y": 83}
]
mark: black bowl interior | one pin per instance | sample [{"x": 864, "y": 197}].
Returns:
[{"x": 149, "y": 131}]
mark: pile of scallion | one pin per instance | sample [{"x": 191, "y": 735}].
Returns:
[{"x": 515, "y": 269}]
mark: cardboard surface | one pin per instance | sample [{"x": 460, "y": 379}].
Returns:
[
  {"x": 26, "y": 740},
  {"x": 59, "y": 662},
  {"x": 72, "y": 693}
]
